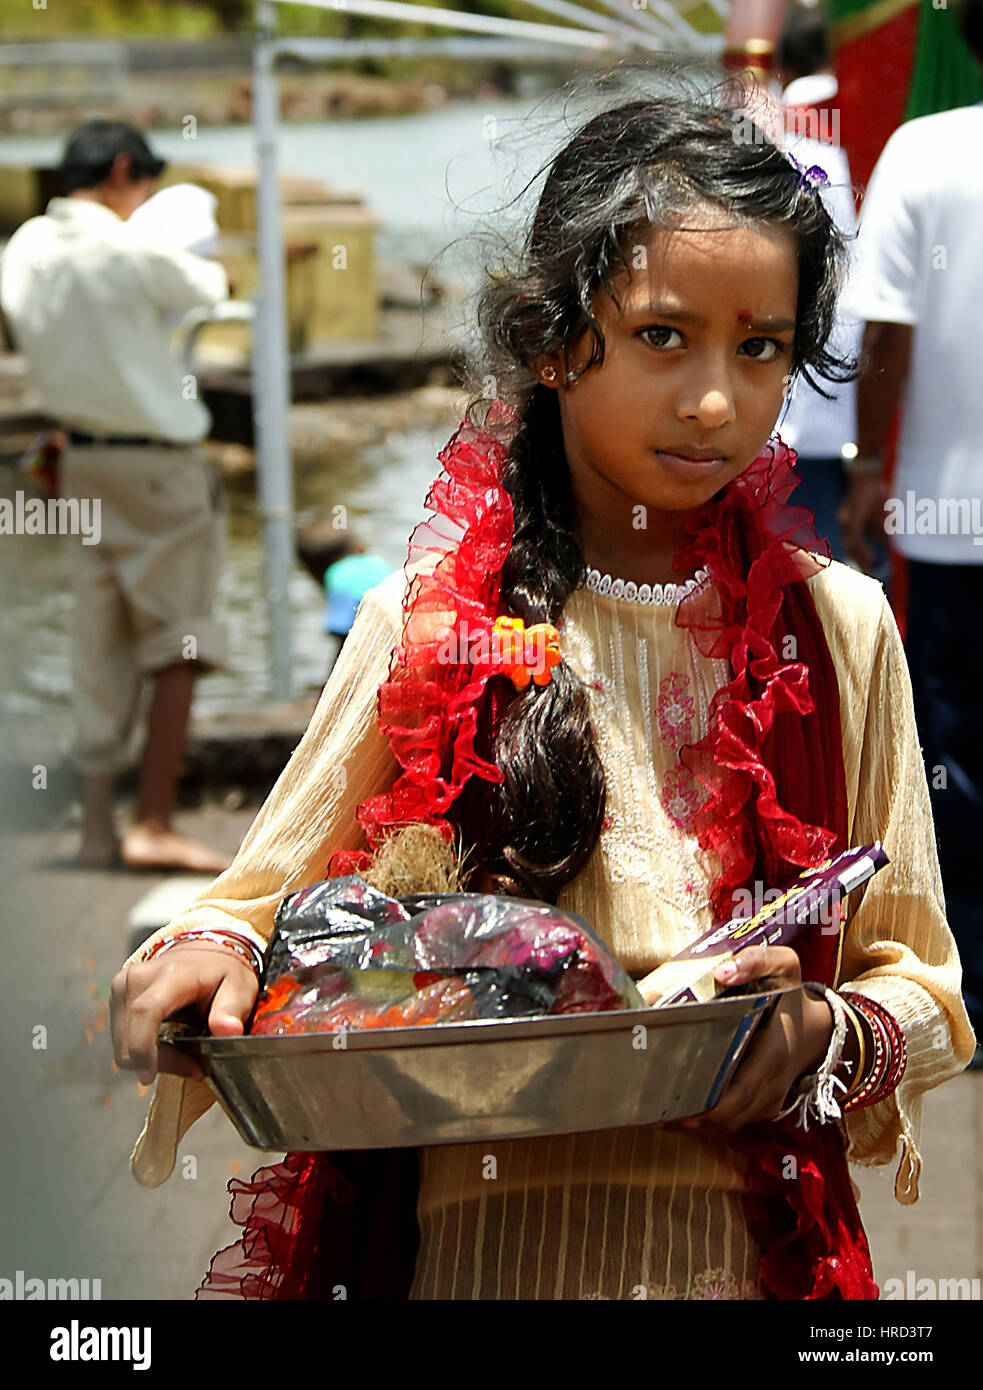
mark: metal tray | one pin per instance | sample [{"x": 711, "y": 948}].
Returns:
[{"x": 484, "y": 1079}]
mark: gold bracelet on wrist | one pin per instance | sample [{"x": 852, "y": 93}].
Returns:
[{"x": 858, "y": 1076}]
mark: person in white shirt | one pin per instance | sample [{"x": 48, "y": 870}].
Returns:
[
  {"x": 179, "y": 218},
  {"x": 918, "y": 282},
  {"x": 88, "y": 303},
  {"x": 822, "y": 429}
]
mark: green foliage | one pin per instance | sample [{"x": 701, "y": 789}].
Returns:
[
  {"x": 192, "y": 19},
  {"x": 107, "y": 19}
]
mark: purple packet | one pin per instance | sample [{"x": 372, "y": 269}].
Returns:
[{"x": 811, "y": 897}]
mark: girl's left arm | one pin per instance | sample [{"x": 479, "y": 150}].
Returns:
[{"x": 898, "y": 949}]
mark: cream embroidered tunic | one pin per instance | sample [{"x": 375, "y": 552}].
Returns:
[{"x": 642, "y": 1211}]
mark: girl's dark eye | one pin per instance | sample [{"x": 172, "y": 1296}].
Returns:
[
  {"x": 659, "y": 328},
  {"x": 768, "y": 342},
  {"x": 777, "y": 347}
]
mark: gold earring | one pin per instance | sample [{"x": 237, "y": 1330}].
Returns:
[{"x": 549, "y": 375}]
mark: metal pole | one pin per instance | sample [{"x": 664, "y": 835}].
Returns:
[
  {"x": 271, "y": 364},
  {"x": 463, "y": 19}
]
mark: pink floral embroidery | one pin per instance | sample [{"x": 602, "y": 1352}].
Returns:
[
  {"x": 680, "y": 797},
  {"x": 714, "y": 1284},
  {"x": 675, "y": 711}
]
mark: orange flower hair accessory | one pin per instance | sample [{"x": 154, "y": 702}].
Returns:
[{"x": 525, "y": 654}]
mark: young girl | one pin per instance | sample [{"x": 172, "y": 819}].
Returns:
[{"x": 730, "y": 706}]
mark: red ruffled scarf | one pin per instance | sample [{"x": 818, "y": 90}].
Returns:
[
  {"x": 428, "y": 708},
  {"x": 772, "y": 765}
]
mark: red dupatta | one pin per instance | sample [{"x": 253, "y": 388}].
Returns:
[{"x": 772, "y": 764}]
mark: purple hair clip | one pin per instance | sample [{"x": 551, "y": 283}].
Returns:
[{"x": 814, "y": 177}]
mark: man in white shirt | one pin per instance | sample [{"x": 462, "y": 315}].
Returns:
[
  {"x": 88, "y": 300},
  {"x": 821, "y": 431},
  {"x": 918, "y": 281}
]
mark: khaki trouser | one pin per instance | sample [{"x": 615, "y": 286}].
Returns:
[{"x": 144, "y": 593}]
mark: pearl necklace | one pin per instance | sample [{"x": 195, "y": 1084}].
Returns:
[{"x": 664, "y": 595}]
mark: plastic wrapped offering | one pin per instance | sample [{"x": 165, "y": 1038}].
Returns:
[
  {"x": 345, "y": 956},
  {"x": 812, "y": 901}
]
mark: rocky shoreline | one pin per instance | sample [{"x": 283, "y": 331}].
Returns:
[
  {"x": 163, "y": 101},
  {"x": 323, "y": 430}
]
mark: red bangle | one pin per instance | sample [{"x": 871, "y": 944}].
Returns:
[
  {"x": 878, "y": 1066},
  {"x": 891, "y": 1053},
  {"x": 230, "y": 941},
  {"x": 898, "y": 1046}
]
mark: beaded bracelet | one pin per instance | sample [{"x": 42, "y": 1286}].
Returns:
[
  {"x": 891, "y": 1053},
  {"x": 243, "y": 947}
]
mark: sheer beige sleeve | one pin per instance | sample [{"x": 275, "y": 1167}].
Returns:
[
  {"x": 342, "y": 759},
  {"x": 898, "y": 948}
]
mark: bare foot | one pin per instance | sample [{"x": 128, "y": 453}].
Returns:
[{"x": 147, "y": 847}]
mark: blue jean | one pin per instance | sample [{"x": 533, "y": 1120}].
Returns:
[
  {"x": 945, "y": 654},
  {"x": 823, "y": 485},
  {"x": 822, "y": 489}
]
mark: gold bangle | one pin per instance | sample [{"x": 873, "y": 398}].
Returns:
[
  {"x": 862, "y": 1049},
  {"x": 862, "y": 1052}
]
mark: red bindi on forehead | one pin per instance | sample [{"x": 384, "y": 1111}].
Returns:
[{"x": 744, "y": 316}]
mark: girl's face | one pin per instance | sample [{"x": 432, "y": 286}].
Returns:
[{"x": 697, "y": 350}]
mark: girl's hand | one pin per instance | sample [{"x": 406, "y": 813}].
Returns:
[
  {"x": 792, "y": 1042},
  {"x": 217, "y": 983}
]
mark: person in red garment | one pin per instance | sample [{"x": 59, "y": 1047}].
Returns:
[{"x": 730, "y": 706}]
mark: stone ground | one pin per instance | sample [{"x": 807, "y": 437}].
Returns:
[{"x": 76, "y": 1210}]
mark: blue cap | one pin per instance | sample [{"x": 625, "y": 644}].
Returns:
[{"x": 345, "y": 582}]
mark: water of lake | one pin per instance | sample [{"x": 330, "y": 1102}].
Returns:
[{"x": 430, "y": 175}]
